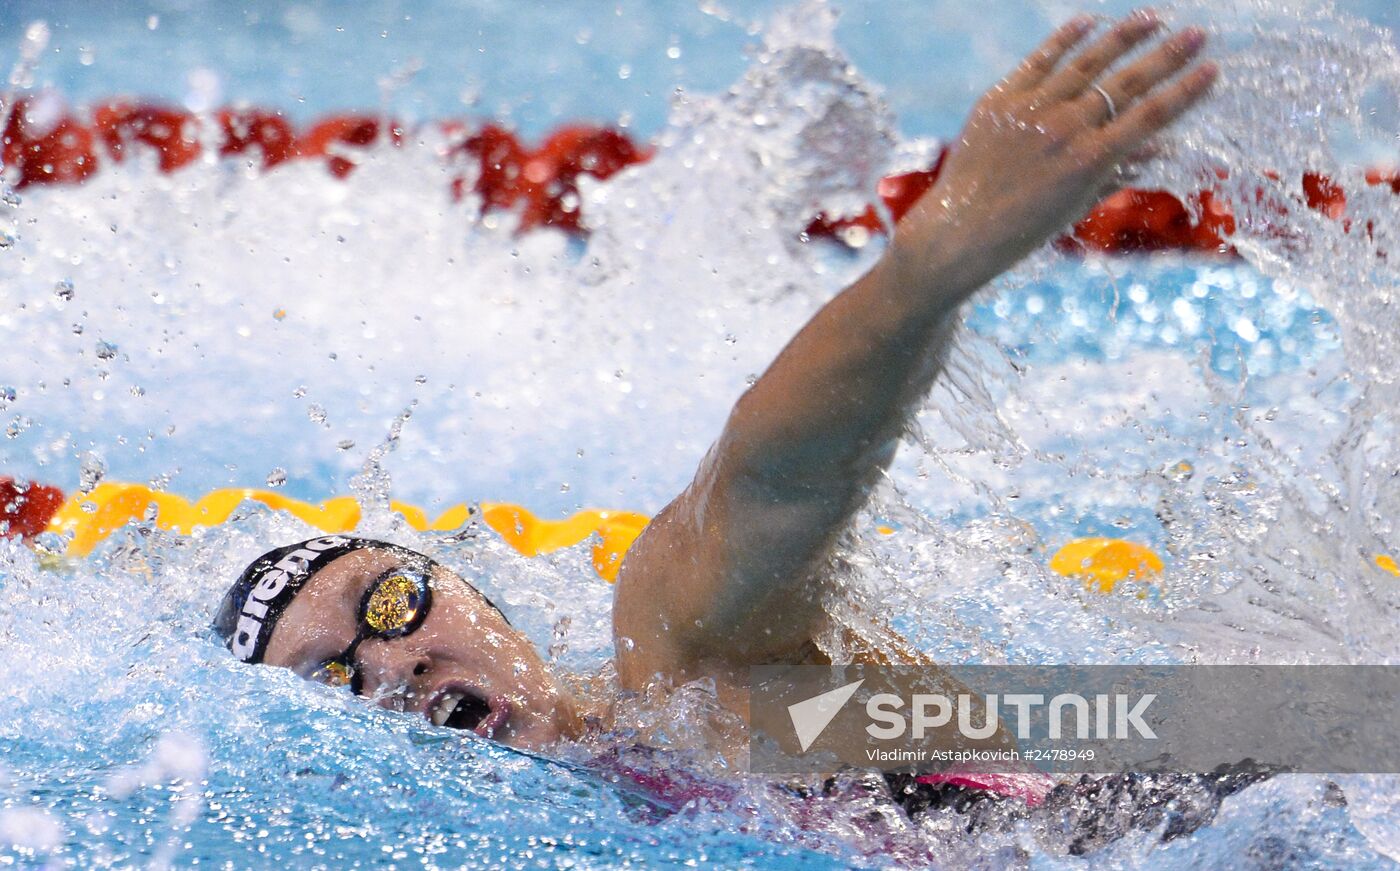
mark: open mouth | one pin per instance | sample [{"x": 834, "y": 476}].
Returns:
[{"x": 461, "y": 708}]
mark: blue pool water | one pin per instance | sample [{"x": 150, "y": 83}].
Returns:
[{"x": 562, "y": 375}]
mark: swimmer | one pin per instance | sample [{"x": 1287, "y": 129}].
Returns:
[{"x": 735, "y": 572}]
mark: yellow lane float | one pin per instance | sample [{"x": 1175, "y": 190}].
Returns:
[
  {"x": 91, "y": 517},
  {"x": 1103, "y": 562}
]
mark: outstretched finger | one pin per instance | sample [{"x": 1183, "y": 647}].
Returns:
[
  {"x": 1149, "y": 117},
  {"x": 1042, "y": 62},
  {"x": 1078, "y": 74},
  {"x": 1127, "y": 85}
]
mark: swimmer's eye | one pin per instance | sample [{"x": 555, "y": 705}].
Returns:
[
  {"x": 334, "y": 673},
  {"x": 395, "y": 604}
]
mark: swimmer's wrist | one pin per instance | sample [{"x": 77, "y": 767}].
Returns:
[{"x": 930, "y": 260}]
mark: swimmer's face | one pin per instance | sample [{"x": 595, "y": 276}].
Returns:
[{"x": 463, "y": 667}]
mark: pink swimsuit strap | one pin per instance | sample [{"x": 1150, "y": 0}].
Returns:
[
  {"x": 675, "y": 787},
  {"x": 671, "y": 786}
]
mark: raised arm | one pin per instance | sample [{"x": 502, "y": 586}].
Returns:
[{"x": 734, "y": 571}]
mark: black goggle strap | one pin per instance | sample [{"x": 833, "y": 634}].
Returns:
[
  {"x": 416, "y": 570},
  {"x": 411, "y": 563},
  {"x": 418, "y": 561}
]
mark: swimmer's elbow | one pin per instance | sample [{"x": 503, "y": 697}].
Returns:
[{"x": 833, "y": 470}]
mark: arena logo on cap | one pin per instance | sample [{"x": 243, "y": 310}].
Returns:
[{"x": 297, "y": 566}]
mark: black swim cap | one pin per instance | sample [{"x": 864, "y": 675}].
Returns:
[{"x": 253, "y": 605}]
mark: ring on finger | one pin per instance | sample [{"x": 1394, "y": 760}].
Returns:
[{"x": 1108, "y": 101}]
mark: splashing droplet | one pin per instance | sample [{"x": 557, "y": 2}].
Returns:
[
  {"x": 371, "y": 485},
  {"x": 92, "y": 468}
]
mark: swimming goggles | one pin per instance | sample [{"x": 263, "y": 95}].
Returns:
[{"x": 395, "y": 605}]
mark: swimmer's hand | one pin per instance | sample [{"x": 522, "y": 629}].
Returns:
[
  {"x": 1044, "y": 145},
  {"x": 737, "y": 570}
]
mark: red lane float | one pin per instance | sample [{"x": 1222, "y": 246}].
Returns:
[
  {"x": 501, "y": 158},
  {"x": 246, "y": 129},
  {"x": 552, "y": 171},
  {"x": 45, "y": 144},
  {"x": 1129, "y": 221},
  {"x": 1134, "y": 220},
  {"x": 331, "y": 137},
  {"x": 26, "y": 507},
  {"x": 123, "y": 125},
  {"x": 898, "y": 192},
  {"x": 1324, "y": 195},
  {"x": 543, "y": 182},
  {"x": 1379, "y": 176}
]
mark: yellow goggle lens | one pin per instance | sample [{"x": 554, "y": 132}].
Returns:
[
  {"x": 393, "y": 604},
  {"x": 336, "y": 674}
]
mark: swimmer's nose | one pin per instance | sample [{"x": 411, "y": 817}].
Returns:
[{"x": 393, "y": 672}]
